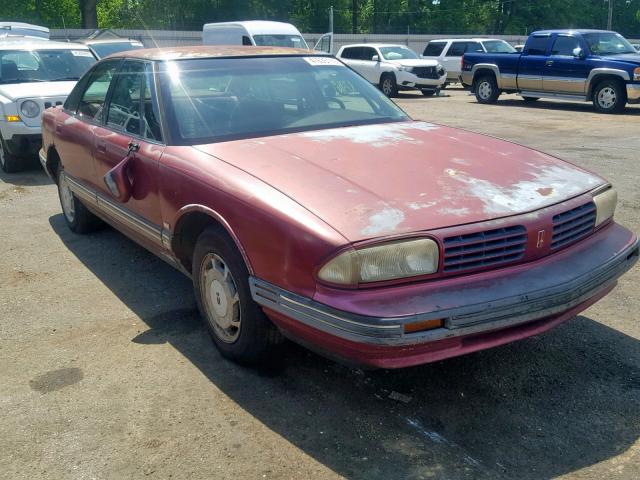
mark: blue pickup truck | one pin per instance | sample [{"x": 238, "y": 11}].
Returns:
[{"x": 584, "y": 65}]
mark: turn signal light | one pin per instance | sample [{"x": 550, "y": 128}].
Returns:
[
  {"x": 424, "y": 325},
  {"x": 12, "y": 118}
]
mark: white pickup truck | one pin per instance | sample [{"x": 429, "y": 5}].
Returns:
[{"x": 34, "y": 75}]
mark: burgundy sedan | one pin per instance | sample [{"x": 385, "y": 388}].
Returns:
[{"x": 305, "y": 204}]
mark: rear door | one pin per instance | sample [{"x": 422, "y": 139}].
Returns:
[
  {"x": 370, "y": 69},
  {"x": 325, "y": 43},
  {"x": 564, "y": 72},
  {"x": 533, "y": 62},
  {"x": 452, "y": 58},
  {"x": 132, "y": 119}
]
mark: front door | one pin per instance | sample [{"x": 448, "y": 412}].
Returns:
[
  {"x": 565, "y": 72},
  {"x": 132, "y": 131}
]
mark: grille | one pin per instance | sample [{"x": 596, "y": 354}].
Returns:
[
  {"x": 571, "y": 226},
  {"x": 484, "y": 249},
  {"x": 51, "y": 104},
  {"x": 425, "y": 72}
]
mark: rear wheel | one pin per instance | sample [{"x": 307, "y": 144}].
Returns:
[
  {"x": 237, "y": 325},
  {"x": 530, "y": 99},
  {"x": 487, "y": 89},
  {"x": 8, "y": 161},
  {"x": 609, "y": 96},
  {"x": 388, "y": 84},
  {"x": 78, "y": 218}
]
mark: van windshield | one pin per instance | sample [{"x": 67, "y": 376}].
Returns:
[
  {"x": 293, "y": 41},
  {"x": 212, "y": 100},
  {"x": 20, "y": 66}
]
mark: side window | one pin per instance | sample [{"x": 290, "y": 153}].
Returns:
[
  {"x": 537, "y": 45},
  {"x": 457, "y": 49},
  {"x": 91, "y": 103},
  {"x": 433, "y": 49},
  {"x": 367, "y": 53},
  {"x": 124, "y": 105},
  {"x": 350, "y": 53},
  {"x": 150, "y": 118},
  {"x": 246, "y": 41},
  {"x": 565, "y": 46},
  {"x": 474, "y": 47}
]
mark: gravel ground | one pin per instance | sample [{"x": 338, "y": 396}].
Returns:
[{"x": 107, "y": 372}]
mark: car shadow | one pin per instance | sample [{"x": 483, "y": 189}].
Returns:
[
  {"x": 586, "y": 107},
  {"x": 31, "y": 176},
  {"x": 538, "y": 408}
]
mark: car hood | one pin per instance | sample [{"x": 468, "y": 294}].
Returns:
[
  {"x": 625, "y": 57},
  {"x": 395, "y": 178},
  {"x": 418, "y": 62},
  {"x": 15, "y": 91}
]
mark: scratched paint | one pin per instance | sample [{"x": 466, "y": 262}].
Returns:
[
  {"x": 378, "y": 136},
  {"x": 383, "y": 221}
]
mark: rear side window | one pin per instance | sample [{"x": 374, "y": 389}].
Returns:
[
  {"x": 537, "y": 45},
  {"x": 565, "y": 46},
  {"x": 457, "y": 49},
  {"x": 433, "y": 49},
  {"x": 91, "y": 103}
]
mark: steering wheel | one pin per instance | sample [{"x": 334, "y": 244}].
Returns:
[{"x": 338, "y": 101}]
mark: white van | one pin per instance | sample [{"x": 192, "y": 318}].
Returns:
[{"x": 254, "y": 32}]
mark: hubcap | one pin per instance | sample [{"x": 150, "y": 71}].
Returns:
[
  {"x": 221, "y": 299},
  {"x": 386, "y": 86},
  {"x": 484, "y": 90},
  {"x": 607, "y": 97},
  {"x": 1, "y": 154},
  {"x": 66, "y": 198}
]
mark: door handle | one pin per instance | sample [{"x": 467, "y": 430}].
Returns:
[{"x": 549, "y": 63}]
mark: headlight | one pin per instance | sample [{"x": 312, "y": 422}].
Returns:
[
  {"x": 402, "y": 69},
  {"x": 636, "y": 75},
  {"x": 389, "y": 261},
  {"x": 605, "y": 205},
  {"x": 30, "y": 109}
]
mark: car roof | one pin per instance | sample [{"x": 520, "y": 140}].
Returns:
[
  {"x": 378, "y": 45},
  {"x": 109, "y": 40},
  {"x": 212, "y": 51},
  {"x": 474, "y": 39},
  {"x": 258, "y": 27},
  {"x": 569, "y": 30},
  {"x": 22, "y": 25},
  {"x": 32, "y": 43}
]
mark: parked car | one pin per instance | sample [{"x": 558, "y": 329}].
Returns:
[
  {"x": 34, "y": 75},
  {"x": 253, "y": 32},
  {"x": 636, "y": 46},
  {"x": 303, "y": 203},
  {"x": 105, "y": 47},
  {"x": 449, "y": 52},
  {"x": 394, "y": 68},
  {"x": 583, "y": 65},
  {"x": 21, "y": 29}
]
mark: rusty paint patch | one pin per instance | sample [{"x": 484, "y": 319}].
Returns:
[
  {"x": 545, "y": 192},
  {"x": 384, "y": 221}
]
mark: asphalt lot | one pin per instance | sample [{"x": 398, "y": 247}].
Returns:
[{"x": 107, "y": 372}]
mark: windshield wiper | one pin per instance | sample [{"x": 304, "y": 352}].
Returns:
[
  {"x": 64, "y": 79},
  {"x": 21, "y": 80}
]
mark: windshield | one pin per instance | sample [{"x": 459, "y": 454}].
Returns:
[
  {"x": 208, "y": 100},
  {"x": 398, "y": 53},
  {"x": 19, "y": 66},
  {"x": 608, "y": 43},
  {"x": 293, "y": 41},
  {"x": 498, "y": 46},
  {"x": 104, "y": 49}
]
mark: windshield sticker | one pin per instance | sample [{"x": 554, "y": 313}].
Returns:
[
  {"x": 81, "y": 53},
  {"x": 323, "y": 61}
]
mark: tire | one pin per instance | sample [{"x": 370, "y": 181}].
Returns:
[
  {"x": 530, "y": 99},
  {"x": 429, "y": 93},
  {"x": 237, "y": 325},
  {"x": 388, "y": 85},
  {"x": 444, "y": 86},
  {"x": 486, "y": 89},
  {"x": 8, "y": 161},
  {"x": 78, "y": 218},
  {"x": 609, "y": 96}
]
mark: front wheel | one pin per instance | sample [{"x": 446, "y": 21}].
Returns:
[
  {"x": 388, "y": 85},
  {"x": 8, "y": 161},
  {"x": 78, "y": 217},
  {"x": 237, "y": 325},
  {"x": 487, "y": 89},
  {"x": 609, "y": 96}
]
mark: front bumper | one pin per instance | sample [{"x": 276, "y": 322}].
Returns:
[
  {"x": 411, "y": 81},
  {"x": 549, "y": 290},
  {"x": 633, "y": 92},
  {"x": 21, "y": 139}
]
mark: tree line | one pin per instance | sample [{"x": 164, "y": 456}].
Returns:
[{"x": 517, "y": 17}]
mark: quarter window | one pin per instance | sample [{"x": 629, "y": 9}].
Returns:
[
  {"x": 565, "y": 46},
  {"x": 91, "y": 104}
]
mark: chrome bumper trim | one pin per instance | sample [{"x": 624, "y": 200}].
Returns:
[{"x": 464, "y": 320}]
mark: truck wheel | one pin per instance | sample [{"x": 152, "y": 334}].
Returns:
[
  {"x": 388, "y": 85},
  {"x": 487, "y": 89},
  {"x": 237, "y": 325},
  {"x": 8, "y": 161},
  {"x": 78, "y": 218},
  {"x": 609, "y": 96},
  {"x": 531, "y": 99}
]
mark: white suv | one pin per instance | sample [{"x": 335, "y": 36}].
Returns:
[
  {"x": 394, "y": 68},
  {"x": 34, "y": 75},
  {"x": 449, "y": 52}
]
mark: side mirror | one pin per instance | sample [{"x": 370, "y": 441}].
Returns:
[
  {"x": 375, "y": 58},
  {"x": 117, "y": 181},
  {"x": 579, "y": 53}
]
